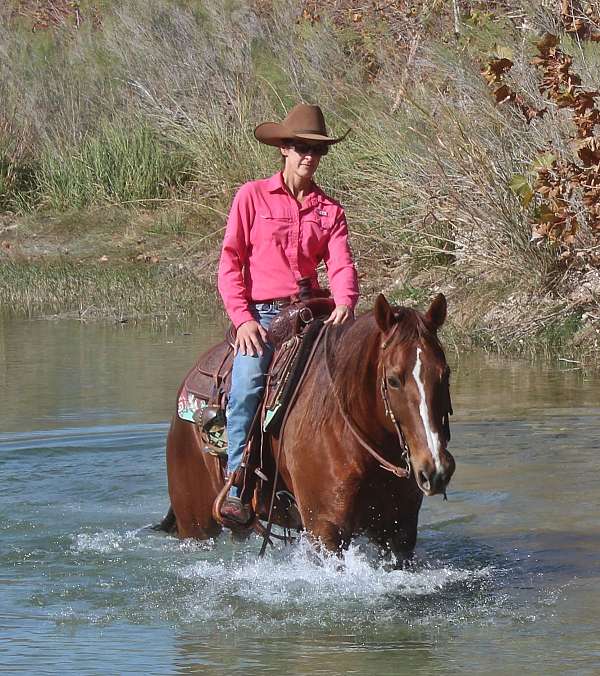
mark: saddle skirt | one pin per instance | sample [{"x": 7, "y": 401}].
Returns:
[{"x": 203, "y": 396}]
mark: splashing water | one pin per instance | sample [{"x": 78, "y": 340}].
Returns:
[{"x": 292, "y": 586}]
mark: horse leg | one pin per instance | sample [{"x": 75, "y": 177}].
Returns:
[
  {"x": 194, "y": 479},
  {"x": 399, "y": 544},
  {"x": 168, "y": 523},
  {"x": 329, "y": 535}
]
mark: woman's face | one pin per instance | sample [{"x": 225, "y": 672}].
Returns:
[{"x": 302, "y": 159}]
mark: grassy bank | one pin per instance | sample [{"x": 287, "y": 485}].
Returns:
[
  {"x": 96, "y": 290},
  {"x": 133, "y": 121},
  {"x": 122, "y": 266},
  {"x": 109, "y": 263}
]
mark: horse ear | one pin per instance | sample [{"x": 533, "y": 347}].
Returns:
[
  {"x": 384, "y": 315},
  {"x": 436, "y": 315}
]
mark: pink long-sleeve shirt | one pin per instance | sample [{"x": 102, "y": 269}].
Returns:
[{"x": 272, "y": 241}]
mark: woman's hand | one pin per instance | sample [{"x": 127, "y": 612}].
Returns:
[
  {"x": 250, "y": 338},
  {"x": 341, "y": 314}
]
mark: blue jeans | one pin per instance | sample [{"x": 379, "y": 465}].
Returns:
[{"x": 247, "y": 386}]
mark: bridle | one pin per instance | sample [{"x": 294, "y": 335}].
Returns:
[{"x": 400, "y": 472}]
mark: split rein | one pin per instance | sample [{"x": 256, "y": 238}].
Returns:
[{"x": 400, "y": 472}]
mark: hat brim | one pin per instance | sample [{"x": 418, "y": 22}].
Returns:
[{"x": 273, "y": 134}]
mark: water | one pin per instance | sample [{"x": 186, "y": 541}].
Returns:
[{"x": 507, "y": 575}]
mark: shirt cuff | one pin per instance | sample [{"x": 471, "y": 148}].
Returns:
[
  {"x": 345, "y": 300},
  {"x": 241, "y": 316}
]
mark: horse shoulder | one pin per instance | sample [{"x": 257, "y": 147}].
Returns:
[{"x": 194, "y": 479}]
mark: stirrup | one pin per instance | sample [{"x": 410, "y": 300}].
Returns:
[
  {"x": 218, "y": 504},
  {"x": 215, "y": 453}
]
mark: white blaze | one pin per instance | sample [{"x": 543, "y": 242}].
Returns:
[{"x": 433, "y": 440}]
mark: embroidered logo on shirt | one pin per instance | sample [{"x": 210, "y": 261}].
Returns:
[{"x": 321, "y": 212}]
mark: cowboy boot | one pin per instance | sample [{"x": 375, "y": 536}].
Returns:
[{"x": 234, "y": 510}]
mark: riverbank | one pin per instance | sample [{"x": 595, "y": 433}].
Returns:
[
  {"x": 109, "y": 263},
  {"x": 115, "y": 181},
  {"x": 125, "y": 266}
]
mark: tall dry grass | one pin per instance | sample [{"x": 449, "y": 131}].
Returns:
[{"x": 161, "y": 102}]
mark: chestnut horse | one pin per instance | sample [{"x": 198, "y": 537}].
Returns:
[{"x": 376, "y": 389}]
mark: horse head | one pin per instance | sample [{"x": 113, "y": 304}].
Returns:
[{"x": 415, "y": 388}]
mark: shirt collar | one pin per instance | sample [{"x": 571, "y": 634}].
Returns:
[{"x": 275, "y": 183}]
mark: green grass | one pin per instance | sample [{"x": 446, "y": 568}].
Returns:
[
  {"x": 408, "y": 294},
  {"x": 116, "y": 165},
  {"x": 171, "y": 222},
  {"x": 17, "y": 172},
  {"x": 558, "y": 333}
]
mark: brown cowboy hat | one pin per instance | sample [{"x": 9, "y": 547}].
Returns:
[{"x": 303, "y": 122}]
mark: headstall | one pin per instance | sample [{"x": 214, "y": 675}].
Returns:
[{"x": 400, "y": 472}]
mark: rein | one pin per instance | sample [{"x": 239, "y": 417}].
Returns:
[
  {"x": 268, "y": 530},
  {"x": 383, "y": 463}
]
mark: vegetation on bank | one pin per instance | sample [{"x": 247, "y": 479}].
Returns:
[
  {"x": 119, "y": 291},
  {"x": 146, "y": 110}
]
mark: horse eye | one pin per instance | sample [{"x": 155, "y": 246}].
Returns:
[{"x": 394, "y": 381}]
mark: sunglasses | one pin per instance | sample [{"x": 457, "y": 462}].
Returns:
[{"x": 310, "y": 149}]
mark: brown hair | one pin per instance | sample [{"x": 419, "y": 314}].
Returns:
[{"x": 285, "y": 143}]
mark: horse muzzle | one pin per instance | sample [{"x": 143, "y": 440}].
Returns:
[{"x": 433, "y": 481}]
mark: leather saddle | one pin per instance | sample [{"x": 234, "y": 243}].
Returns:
[{"x": 204, "y": 394}]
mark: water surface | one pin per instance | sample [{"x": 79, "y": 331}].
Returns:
[{"x": 507, "y": 576}]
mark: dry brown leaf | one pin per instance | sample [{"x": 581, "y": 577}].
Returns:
[
  {"x": 547, "y": 42},
  {"x": 503, "y": 93}
]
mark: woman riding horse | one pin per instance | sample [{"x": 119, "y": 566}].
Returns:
[
  {"x": 279, "y": 229},
  {"x": 365, "y": 439}
]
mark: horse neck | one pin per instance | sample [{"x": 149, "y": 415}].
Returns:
[{"x": 356, "y": 370}]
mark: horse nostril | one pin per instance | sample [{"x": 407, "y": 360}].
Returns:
[{"x": 433, "y": 483}]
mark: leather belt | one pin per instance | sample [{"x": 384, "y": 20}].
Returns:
[{"x": 278, "y": 303}]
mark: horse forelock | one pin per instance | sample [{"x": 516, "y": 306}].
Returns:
[{"x": 411, "y": 327}]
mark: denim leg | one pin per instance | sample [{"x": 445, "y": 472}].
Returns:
[{"x": 247, "y": 386}]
